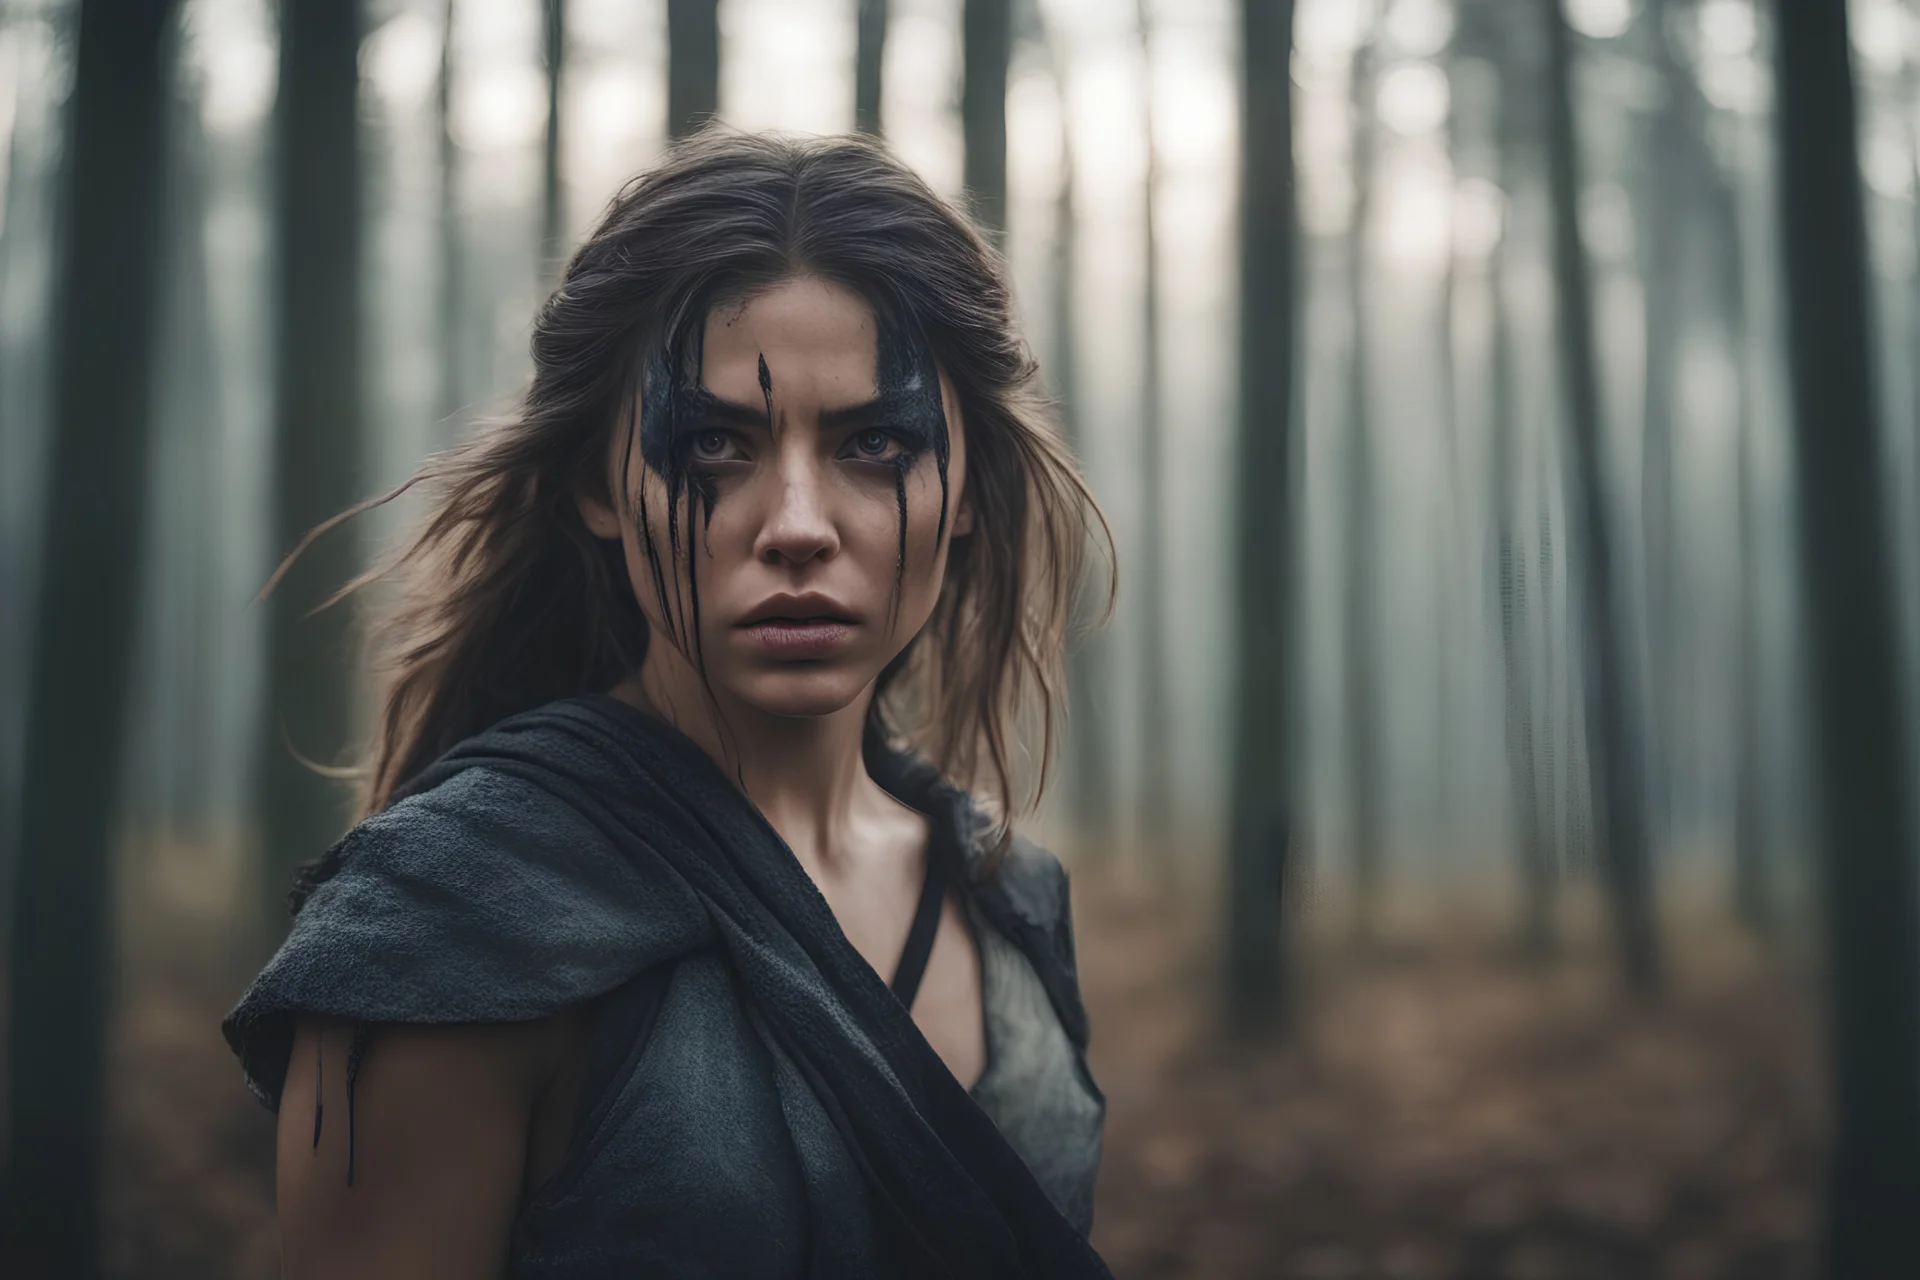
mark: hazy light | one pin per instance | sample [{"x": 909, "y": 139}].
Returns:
[
  {"x": 920, "y": 81},
  {"x": 1105, "y": 107},
  {"x": 1879, "y": 31},
  {"x": 1414, "y": 98},
  {"x": 1727, "y": 28},
  {"x": 1420, "y": 28},
  {"x": 401, "y": 60},
  {"x": 499, "y": 106},
  {"x": 235, "y": 46},
  {"x": 1606, "y": 222},
  {"x": 787, "y": 64},
  {"x": 1600, "y": 19},
  {"x": 608, "y": 23},
  {"x": 1033, "y": 132},
  {"x": 1735, "y": 84},
  {"x": 1887, "y": 163},
  {"x": 1479, "y": 217},
  {"x": 1416, "y": 198},
  {"x": 1195, "y": 107},
  {"x": 1330, "y": 30},
  {"x": 12, "y": 74}
]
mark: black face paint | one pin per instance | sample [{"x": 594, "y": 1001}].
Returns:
[
  {"x": 908, "y": 382},
  {"x": 673, "y": 410}
]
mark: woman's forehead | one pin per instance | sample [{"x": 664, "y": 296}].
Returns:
[{"x": 817, "y": 340}]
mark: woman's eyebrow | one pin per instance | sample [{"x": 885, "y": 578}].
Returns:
[
  {"x": 886, "y": 407},
  {"x": 732, "y": 413}
]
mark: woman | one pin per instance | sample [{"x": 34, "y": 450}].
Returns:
[{"x": 665, "y": 945}]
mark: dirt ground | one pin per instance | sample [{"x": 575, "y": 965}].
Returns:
[
  {"x": 1441, "y": 1114},
  {"x": 1445, "y": 1113}
]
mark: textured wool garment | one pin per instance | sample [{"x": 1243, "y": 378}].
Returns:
[{"x": 788, "y": 1117}]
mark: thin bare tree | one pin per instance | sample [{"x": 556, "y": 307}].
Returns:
[
  {"x": 1613, "y": 740},
  {"x": 62, "y": 961},
  {"x": 1257, "y": 960},
  {"x": 693, "y": 64},
  {"x": 1861, "y": 757},
  {"x": 870, "y": 48},
  {"x": 1156, "y": 764},
  {"x": 317, "y": 447},
  {"x": 986, "y": 48}
]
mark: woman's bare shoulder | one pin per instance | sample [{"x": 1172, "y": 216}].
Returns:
[{"x": 418, "y": 1168}]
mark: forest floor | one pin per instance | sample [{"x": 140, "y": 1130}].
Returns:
[{"x": 1441, "y": 1114}]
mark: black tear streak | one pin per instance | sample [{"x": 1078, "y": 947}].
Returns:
[
  {"x": 900, "y": 465},
  {"x": 319, "y": 1083}
]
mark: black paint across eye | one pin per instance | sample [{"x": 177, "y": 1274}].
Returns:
[{"x": 875, "y": 445}]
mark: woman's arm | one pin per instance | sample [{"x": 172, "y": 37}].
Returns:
[{"x": 440, "y": 1123}]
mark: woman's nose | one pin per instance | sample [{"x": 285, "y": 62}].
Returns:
[{"x": 799, "y": 528}]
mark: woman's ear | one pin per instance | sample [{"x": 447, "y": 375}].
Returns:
[
  {"x": 598, "y": 515},
  {"x": 963, "y": 518}
]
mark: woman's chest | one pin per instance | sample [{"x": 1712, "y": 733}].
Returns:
[{"x": 690, "y": 1165}]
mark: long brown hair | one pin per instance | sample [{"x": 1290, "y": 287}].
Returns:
[{"x": 505, "y": 600}]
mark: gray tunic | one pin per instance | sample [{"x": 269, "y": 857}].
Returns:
[
  {"x": 1036, "y": 1086},
  {"x": 781, "y": 1116}
]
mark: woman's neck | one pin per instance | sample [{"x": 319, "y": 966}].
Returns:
[{"x": 806, "y": 774}]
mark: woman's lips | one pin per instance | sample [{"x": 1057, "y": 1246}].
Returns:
[{"x": 799, "y": 637}]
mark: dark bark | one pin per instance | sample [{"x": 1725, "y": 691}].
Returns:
[
  {"x": 1262, "y": 782},
  {"x": 1538, "y": 936},
  {"x": 316, "y": 471},
  {"x": 1092, "y": 758},
  {"x": 987, "y": 45},
  {"x": 552, "y": 191},
  {"x": 1360, "y": 670},
  {"x": 1613, "y": 745},
  {"x": 82, "y": 655},
  {"x": 1485, "y": 33},
  {"x": 452, "y": 393},
  {"x": 1664, "y": 204},
  {"x": 1861, "y": 763},
  {"x": 693, "y": 64},
  {"x": 1156, "y": 800},
  {"x": 1093, "y": 798},
  {"x": 869, "y": 58},
  {"x": 1752, "y": 864}
]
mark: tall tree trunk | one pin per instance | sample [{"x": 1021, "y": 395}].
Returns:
[
  {"x": 1262, "y": 781},
  {"x": 1752, "y": 874},
  {"x": 311, "y": 659},
  {"x": 552, "y": 193},
  {"x": 1360, "y": 671},
  {"x": 1526, "y": 690},
  {"x": 1613, "y": 746},
  {"x": 1092, "y": 758},
  {"x": 987, "y": 45},
  {"x": 869, "y": 58},
  {"x": 693, "y": 64},
  {"x": 452, "y": 332},
  {"x": 1156, "y": 802},
  {"x": 1867, "y": 838},
  {"x": 1665, "y": 188},
  {"x": 61, "y": 969},
  {"x": 1537, "y": 934}
]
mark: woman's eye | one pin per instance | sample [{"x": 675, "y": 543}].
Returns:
[
  {"x": 875, "y": 446},
  {"x": 713, "y": 446}
]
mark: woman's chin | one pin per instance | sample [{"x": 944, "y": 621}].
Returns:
[{"x": 801, "y": 692}]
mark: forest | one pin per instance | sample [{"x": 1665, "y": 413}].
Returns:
[{"x": 1493, "y": 801}]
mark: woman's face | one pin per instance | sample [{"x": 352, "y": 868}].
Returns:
[{"x": 806, "y": 464}]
